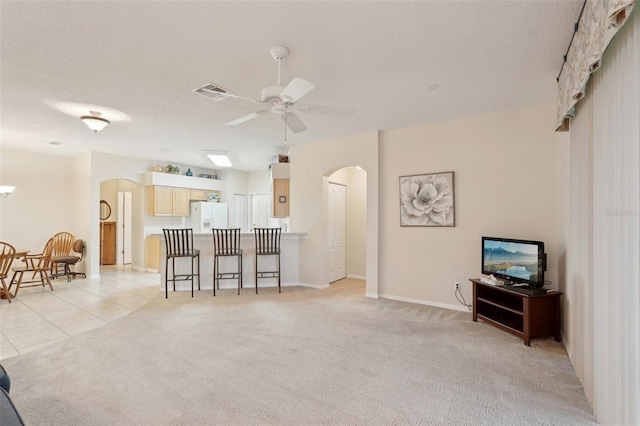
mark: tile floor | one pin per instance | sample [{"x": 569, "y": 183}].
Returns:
[{"x": 39, "y": 317}]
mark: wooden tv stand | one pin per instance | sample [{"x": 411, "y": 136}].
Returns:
[{"x": 524, "y": 315}]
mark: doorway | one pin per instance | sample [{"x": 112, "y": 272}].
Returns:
[
  {"x": 336, "y": 224},
  {"x": 240, "y": 212},
  {"x": 123, "y": 228},
  {"x": 259, "y": 211}
]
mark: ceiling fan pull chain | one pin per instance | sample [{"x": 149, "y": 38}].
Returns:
[{"x": 285, "y": 128}]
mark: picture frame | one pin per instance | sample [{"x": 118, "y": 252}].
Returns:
[
  {"x": 282, "y": 199},
  {"x": 427, "y": 200}
]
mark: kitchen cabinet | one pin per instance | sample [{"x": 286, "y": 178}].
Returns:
[
  {"x": 107, "y": 243},
  {"x": 203, "y": 195},
  {"x": 168, "y": 201},
  {"x": 280, "y": 197},
  {"x": 280, "y": 189}
]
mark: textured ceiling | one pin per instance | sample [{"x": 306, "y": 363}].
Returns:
[{"x": 143, "y": 59}]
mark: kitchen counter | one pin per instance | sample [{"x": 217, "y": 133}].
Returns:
[{"x": 289, "y": 262}]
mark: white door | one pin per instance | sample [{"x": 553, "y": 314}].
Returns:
[
  {"x": 240, "y": 212},
  {"x": 259, "y": 211},
  {"x": 123, "y": 231},
  {"x": 337, "y": 231}
]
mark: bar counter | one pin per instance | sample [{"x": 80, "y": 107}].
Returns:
[{"x": 289, "y": 262}]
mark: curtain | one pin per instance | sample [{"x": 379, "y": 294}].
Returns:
[
  {"x": 603, "y": 274},
  {"x": 599, "y": 23}
]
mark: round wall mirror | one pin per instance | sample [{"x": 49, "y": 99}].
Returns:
[{"x": 105, "y": 210}]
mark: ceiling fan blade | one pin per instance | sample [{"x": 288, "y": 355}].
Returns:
[
  {"x": 294, "y": 123},
  {"x": 328, "y": 110},
  {"x": 296, "y": 89},
  {"x": 245, "y": 118}
]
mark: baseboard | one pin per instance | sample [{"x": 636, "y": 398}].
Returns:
[
  {"x": 139, "y": 268},
  {"x": 155, "y": 271},
  {"x": 357, "y": 277},
  {"x": 372, "y": 295},
  {"x": 267, "y": 285},
  {"x": 94, "y": 277},
  {"x": 425, "y": 302},
  {"x": 317, "y": 286}
]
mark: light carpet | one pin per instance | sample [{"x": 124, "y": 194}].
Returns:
[{"x": 301, "y": 357}]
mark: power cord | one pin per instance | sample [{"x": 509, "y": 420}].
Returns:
[{"x": 462, "y": 302}]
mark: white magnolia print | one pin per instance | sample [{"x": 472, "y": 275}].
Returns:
[{"x": 427, "y": 200}]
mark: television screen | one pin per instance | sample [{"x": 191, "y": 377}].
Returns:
[{"x": 519, "y": 261}]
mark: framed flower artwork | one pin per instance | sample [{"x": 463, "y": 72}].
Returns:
[{"x": 427, "y": 200}]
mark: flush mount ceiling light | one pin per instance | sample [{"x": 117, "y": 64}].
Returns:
[
  {"x": 220, "y": 159},
  {"x": 94, "y": 121},
  {"x": 5, "y": 191}
]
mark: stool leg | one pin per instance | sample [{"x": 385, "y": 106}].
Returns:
[
  {"x": 166, "y": 279},
  {"x": 198, "y": 259},
  {"x": 215, "y": 273},
  {"x": 279, "y": 288},
  {"x": 192, "y": 259},
  {"x": 256, "y": 274}
]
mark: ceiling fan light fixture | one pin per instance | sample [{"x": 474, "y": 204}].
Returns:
[
  {"x": 220, "y": 159},
  {"x": 94, "y": 121}
]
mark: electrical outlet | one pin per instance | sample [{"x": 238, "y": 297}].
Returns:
[{"x": 457, "y": 285}]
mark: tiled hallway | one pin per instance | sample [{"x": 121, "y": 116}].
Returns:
[{"x": 39, "y": 316}]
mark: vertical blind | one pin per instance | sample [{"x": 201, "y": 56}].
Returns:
[{"x": 603, "y": 277}]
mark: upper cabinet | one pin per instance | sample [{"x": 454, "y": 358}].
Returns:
[
  {"x": 168, "y": 201},
  {"x": 169, "y": 194},
  {"x": 280, "y": 189}
]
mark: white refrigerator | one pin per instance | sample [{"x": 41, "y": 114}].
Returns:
[{"x": 205, "y": 216}]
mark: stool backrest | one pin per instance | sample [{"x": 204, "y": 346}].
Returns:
[
  {"x": 226, "y": 241},
  {"x": 179, "y": 242},
  {"x": 267, "y": 240}
]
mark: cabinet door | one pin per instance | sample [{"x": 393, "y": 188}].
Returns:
[
  {"x": 107, "y": 243},
  {"x": 280, "y": 197},
  {"x": 198, "y": 195},
  {"x": 180, "y": 201},
  {"x": 162, "y": 201}
]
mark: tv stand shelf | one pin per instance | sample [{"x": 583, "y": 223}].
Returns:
[{"x": 526, "y": 316}]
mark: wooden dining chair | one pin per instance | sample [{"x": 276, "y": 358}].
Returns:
[
  {"x": 179, "y": 244},
  {"x": 268, "y": 244},
  {"x": 7, "y": 254},
  {"x": 226, "y": 242},
  {"x": 36, "y": 264},
  {"x": 62, "y": 246}
]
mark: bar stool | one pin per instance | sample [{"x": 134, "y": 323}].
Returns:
[
  {"x": 268, "y": 244},
  {"x": 226, "y": 242},
  {"x": 179, "y": 244}
]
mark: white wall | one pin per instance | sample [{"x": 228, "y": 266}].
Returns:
[
  {"x": 311, "y": 164},
  {"x": 44, "y": 202},
  {"x": 505, "y": 186}
]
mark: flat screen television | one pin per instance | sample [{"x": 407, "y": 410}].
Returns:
[{"x": 515, "y": 261}]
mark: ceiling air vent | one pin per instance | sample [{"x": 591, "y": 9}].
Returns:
[{"x": 213, "y": 91}]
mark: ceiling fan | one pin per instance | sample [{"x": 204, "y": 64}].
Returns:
[{"x": 280, "y": 100}]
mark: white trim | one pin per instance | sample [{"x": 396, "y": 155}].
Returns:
[
  {"x": 139, "y": 268},
  {"x": 155, "y": 271},
  {"x": 94, "y": 277},
  {"x": 425, "y": 302},
  {"x": 357, "y": 277},
  {"x": 371, "y": 295},
  {"x": 234, "y": 284}
]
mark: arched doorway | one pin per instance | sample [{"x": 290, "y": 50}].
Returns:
[{"x": 346, "y": 224}]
